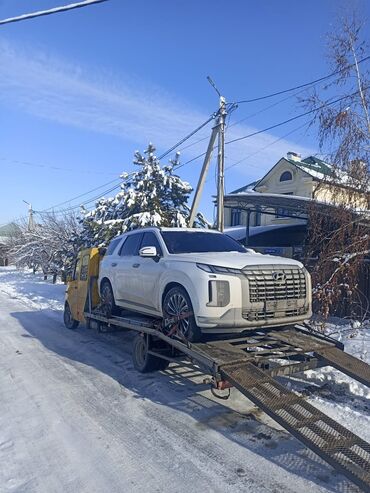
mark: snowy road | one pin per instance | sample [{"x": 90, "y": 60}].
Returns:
[{"x": 76, "y": 417}]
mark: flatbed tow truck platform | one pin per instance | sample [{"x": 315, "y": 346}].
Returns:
[{"x": 251, "y": 362}]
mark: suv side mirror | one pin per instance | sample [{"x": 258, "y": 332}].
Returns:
[{"x": 148, "y": 251}]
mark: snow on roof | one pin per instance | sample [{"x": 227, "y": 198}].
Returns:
[
  {"x": 312, "y": 165},
  {"x": 252, "y": 193},
  {"x": 4, "y": 240},
  {"x": 250, "y": 187}
]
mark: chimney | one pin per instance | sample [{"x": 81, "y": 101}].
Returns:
[{"x": 294, "y": 156}]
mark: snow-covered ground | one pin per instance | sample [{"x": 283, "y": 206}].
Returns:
[{"x": 76, "y": 417}]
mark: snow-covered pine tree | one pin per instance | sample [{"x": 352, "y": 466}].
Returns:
[{"x": 151, "y": 196}]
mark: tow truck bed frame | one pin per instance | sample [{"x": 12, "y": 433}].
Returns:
[{"x": 252, "y": 361}]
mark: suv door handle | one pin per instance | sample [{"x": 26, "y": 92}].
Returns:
[
  {"x": 135, "y": 266},
  {"x": 113, "y": 264}
]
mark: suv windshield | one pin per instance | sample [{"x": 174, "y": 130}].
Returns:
[{"x": 194, "y": 242}]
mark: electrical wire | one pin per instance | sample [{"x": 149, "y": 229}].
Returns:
[
  {"x": 212, "y": 117},
  {"x": 118, "y": 186},
  {"x": 328, "y": 103},
  {"x": 291, "y": 119},
  {"x": 243, "y": 119},
  {"x": 81, "y": 195},
  {"x": 265, "y": 147},
  {"x": 55, "y": 10},
  {"x": 12, "y": 162},
  {"x": 300, "y": 86}
]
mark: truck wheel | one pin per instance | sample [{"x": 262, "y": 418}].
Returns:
[
  {"x": 69, "y": 321},
  {"x": 143, "y": 361},
  {"x": 107, "y": 298},
  {"x": 177, "y": 302}
]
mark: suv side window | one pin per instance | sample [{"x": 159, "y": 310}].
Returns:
[
  {"x": 112, "y": 246},
  {"x": 131, "y": 245},
  {"x": 150, "y": 239}
]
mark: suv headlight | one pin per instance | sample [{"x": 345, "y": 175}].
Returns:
[{"x": 215, "y": 269}]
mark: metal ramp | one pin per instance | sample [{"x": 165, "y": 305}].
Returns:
[
  {"x": 328, "y": 353},
  {"x": 351, "y": 366},
  {"x": 249, "y": 362},
  {"x": 341, "y": 448}
]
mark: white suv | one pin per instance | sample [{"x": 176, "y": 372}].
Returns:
[{"x": 172, "y": 271}]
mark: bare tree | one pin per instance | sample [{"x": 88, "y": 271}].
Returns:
[
  {"x": 49, "y": 247},
  {"x": 340, "y": 242}
]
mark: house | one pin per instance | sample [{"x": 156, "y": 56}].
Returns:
[
  {"x": 310, "y": 178},
  {"x": 5, "y": 235},
  {"x": 3, "y": 251}
]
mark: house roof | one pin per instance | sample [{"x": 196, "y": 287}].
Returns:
[
  {"x": 312, "y": 165},
  {"x": 8, "y": 229},
  {"x": 247, "y": 188}
]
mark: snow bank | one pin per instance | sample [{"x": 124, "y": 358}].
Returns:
[{"x": 32, "y": 290}]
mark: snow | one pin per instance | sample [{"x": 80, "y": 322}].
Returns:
[
  {"x": 76, "y": 417},
  {"x": 31, "y": 290}
]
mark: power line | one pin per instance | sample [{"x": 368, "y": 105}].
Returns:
[
  {"x": 118, "y": 186},
  {"x": 291, "y": 119},
  {"x": 81, "y": 195},
  {"x": 300, "y": 86},
  {"x": 265, "y": 147},
  {"x": 265, "y": 108},
  {"x": 11, "y": 162},
  {"x": 55, "y": 10},
  {"x": 212, "y": 117},
  {"x": 329, "y": 103}
]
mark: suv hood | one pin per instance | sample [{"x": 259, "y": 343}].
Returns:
[{"x": 235, "y": 260}]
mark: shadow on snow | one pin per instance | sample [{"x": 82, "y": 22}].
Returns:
[{"x": 111, "y": 354}]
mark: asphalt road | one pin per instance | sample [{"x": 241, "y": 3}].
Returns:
[{"x": 76, "y": 417}]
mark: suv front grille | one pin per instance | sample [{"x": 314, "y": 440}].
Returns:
[{"x": 275, "y": 283}]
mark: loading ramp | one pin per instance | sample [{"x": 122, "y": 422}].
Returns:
[
  {"x": 338, "y": 446},
  {"x": 250, "y": 363}
]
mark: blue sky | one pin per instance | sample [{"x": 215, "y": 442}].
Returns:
[{"x": 82, "y": 90}]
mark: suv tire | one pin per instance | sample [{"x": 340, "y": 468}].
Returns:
[
  {"x": 142, "y": 360},
  {"x": 177, "y": 302},
  {"x": 68, "y": 319},
  {"x": 107, "y": 299}
]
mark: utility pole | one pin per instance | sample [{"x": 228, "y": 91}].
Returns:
[
  {"x": 218, "y": 130},
  {"x": 31, "y": 222},
  {"x": 221, "y": 165},
  {"x": 202, "y": 177}
]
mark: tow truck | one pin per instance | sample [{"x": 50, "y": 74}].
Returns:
[{"x": 250, "y": 362}]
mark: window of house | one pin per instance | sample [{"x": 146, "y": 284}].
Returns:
[
  {"x": 286, "y": 176},
  {"x": 236, "y": 217}
]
